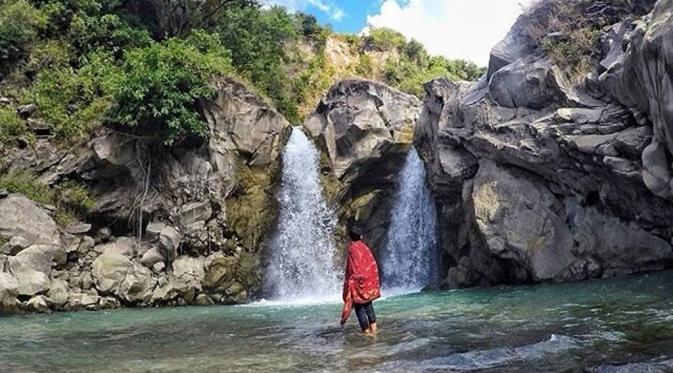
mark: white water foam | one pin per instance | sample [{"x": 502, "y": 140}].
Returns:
[
  {"x": 302, "y": 267},
  {"x": 408, "y": 260}
]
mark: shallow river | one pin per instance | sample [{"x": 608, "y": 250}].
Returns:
[{"x": 508, "y": 329}]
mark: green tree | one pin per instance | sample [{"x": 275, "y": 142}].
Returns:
[
  {"x": 72, "y": 101},
  {"x": 176, "y": 18},
  {"x": 416, "y": 52},
  {"x": 20, "y": 24},
  {"x": 257, "y": 39},
  {"x": 162, "y": 84},
  {"x": 385, "y": 39}
]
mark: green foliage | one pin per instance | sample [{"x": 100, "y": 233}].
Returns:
[
  {"x": 385, "y": 39},
  {"x": 314, "y": 81},
  {"x": 12, "y": 128},
  {"x": 257, "y": 39},
  {"x": 574, "y": 53},
  {"x": 74, "y": 101},
  {"x": 71, "y": 199},
  {"x": 353, "y": 41},
  {"x": 177, "y": 18},
  {"x": 49, "y": 54},
  {"x": 28, "y": 185},
  {"x": 409, "y": 75},
  {"x": 409, "y": 65},
  {"x": 416, "y": 52},
  {"x": 88, "y": 62},
  {"x": 163, "y": 83},
  {"x": 308, "y": 26},
  {"x": 20, "y": 24},
  {"x": 365, "y": 66},
  {"x": 107, "y": 32}
]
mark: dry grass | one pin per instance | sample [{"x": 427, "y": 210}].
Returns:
[{"x": 568, "y": 31}]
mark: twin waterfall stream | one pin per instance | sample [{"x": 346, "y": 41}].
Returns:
[
  {"x": 303, "y": 266},
  {"x": 408, "y": 261},
  {"x": 303, "y": 247}
]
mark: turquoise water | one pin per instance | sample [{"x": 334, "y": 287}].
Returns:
[{"x": 509, "y": 329}]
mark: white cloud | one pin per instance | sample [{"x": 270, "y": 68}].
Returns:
[
  {"x": 320, "y": 5},
  {"x": 338, "y": 14},
  {"x": 333, "y": 11},
  {"x": 466, "y": 29}
]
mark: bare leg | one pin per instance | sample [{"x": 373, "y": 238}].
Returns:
[{"x": 372, "y": 328}]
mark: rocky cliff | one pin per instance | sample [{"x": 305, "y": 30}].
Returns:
[
  {"x": 179, "y": 225},
  {"x": 541, "y": 176},
  {"x": 364, "y": 130}
]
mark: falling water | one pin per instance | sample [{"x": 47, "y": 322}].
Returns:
[
  {"x": 408, "y": 261},
  {"x": 302, "y": 250}
]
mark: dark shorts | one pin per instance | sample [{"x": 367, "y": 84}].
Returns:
[{"x": 365, "y": 314}]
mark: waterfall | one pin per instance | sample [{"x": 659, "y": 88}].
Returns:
[
  {"x": 408, "y": 261},
  {"x": 301, "y": 265}
]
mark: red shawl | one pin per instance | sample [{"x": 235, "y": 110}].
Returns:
[{"x": 361, "y": 283}]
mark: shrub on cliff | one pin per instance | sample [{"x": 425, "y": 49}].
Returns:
[
  {"x": 384, "y": 39},
  {"x": 569, "y": 31},
  {"x": 72, "y": 101},
  {"x": 71, "y": 199},
  {"x": 258, "y": 39},
  {"x": 20, "y": 23},
  {"x": 12, "y": 128},
  {"x": 159, "y": 87},
  {"x": 28, "y": 185}
]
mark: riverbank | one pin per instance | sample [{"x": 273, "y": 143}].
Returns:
[{"x": 554, "y": 327}]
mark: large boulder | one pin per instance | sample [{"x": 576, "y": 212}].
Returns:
[
  {"x": 21, "y": 217},
  {"x": 360, "y": 121},
  {"x": 32, "y": 268},
  {"x": 185, "y": 282},
  {"x": 364, "y": 129},
  {"x": 519, "y": 220},
  {"x": 115, "y": 273},
  {"x": 9, "y": 287},
  {"x": 528, "y": 82}
]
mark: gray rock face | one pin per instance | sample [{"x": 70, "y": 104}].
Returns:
[
  {"x": 518, "y": 43},
  {"x": 22, "y": 218},
  {"x": 364, "y": 129},
  {"x": 528, "y": 82},
  {"x": 241, "y": 123},
  {"x": 646, "y": 85},
  {"x": 359, "y": 121},
  {"x": 538, "y": 180}
]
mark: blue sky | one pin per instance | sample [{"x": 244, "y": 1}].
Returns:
[
  {"x": 465, "y": 29},
  {"x": 344, "y": 15}
]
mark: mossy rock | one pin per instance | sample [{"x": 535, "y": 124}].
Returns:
[
  {"x": 233, "y": 275},
  {"x": 251, "y": 207},
  {"x": 220, "y": 271}
]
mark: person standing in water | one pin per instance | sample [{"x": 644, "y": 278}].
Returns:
[{"x": 361, "y": 283}]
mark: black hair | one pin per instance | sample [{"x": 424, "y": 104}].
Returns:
[{"x": 354, "y": 232}]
